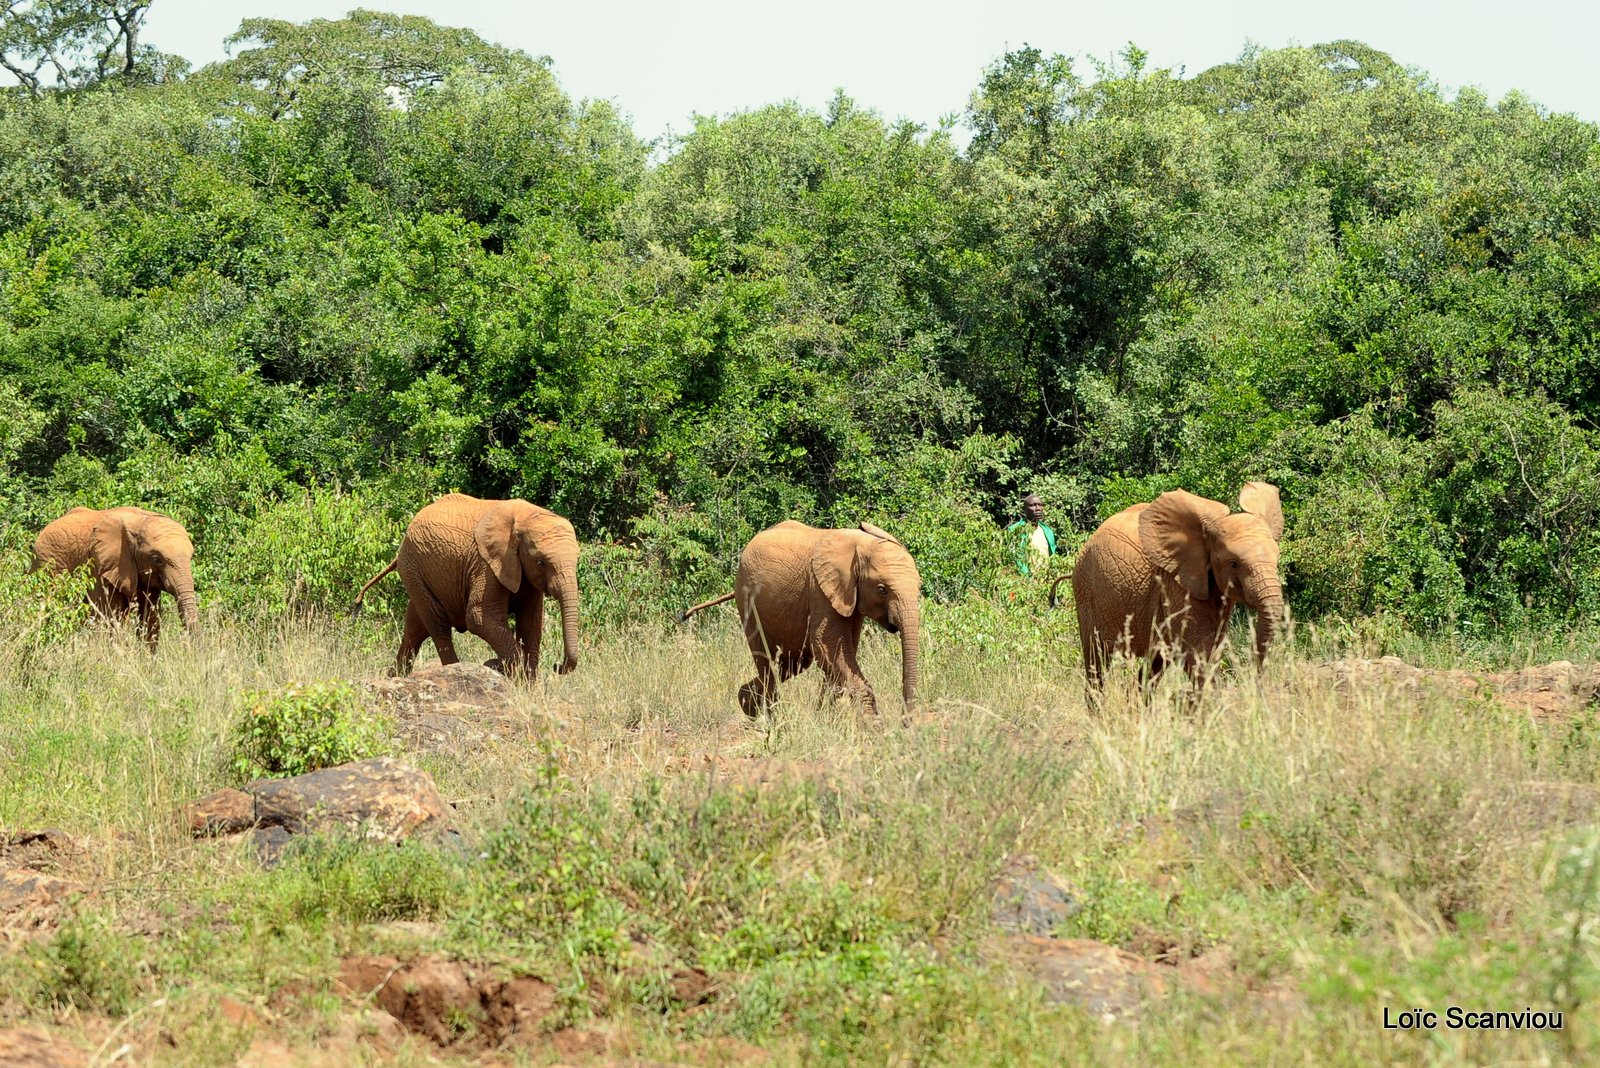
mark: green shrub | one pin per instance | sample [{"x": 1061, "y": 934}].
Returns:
[
  {"x": 88, "y": 965},
  {"x": 1513, "y": 482},
  {"x": 551, "y": 869},
  {"x": 1361, "y": 535},
  {"x": 304, "y": 728},
  {"x": 1574, "y": 886},
  {"x": 309, "y": 552},
  {"x": 37, "y": 608},
  {"x": 348, "y": 879}
]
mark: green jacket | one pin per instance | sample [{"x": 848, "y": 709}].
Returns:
[{"x": 1022, "y": 533}]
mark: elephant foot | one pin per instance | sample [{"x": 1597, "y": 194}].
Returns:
[
  {"x": 515, "y": 671},
  {"x": 750, "y": 701}
]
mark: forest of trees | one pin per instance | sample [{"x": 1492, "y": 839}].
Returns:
[{"x": 291, "y": 296}]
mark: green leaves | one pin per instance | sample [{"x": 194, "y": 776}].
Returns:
[
  {"x": 304, "y": 728},
  {"x": 375, "y": 252}
]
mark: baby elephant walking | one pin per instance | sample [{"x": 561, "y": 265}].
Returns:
[
  {"x": 1163, "y": 578},
  {"x": 134, "y": 557},
  {"x": 803, "y": 594},
  {"x": 470, "y": 564}
]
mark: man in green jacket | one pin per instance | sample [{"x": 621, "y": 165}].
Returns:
[{"x": 1033, "y": 542}]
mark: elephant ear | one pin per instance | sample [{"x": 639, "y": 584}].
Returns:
[
  {"x": 111, "y": 542},
  {"x": 1260, "y": 499},
  {"x": 1172, "y": 533},
  {"x": 833, "y": 566},
  {"x": 879, "y": 532},
  {"x": 496, "y": 538}
]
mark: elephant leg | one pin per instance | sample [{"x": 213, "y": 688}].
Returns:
[
  {"x": 830, "y": 689},
  {"x": 792, "y": 664},
  {"x": 851, "y": 681},
  {"x": 1200, "y": 663},
  {"x": 435, "y": 620},
  {"x": 437, "y": 628},
  {"x": 444, "y": 643},
  {"x": 411, "y": 641},
  {"x": 503, "y": 642},
  {"x": 530, "y": 631},
  {"x": 756, "y": 696},
  {"x": 1094, "y": 657},
  {"x": 109, "y": 603},
  {"x": 841, "y": 671},
  {"x": 100, "y": 602}
]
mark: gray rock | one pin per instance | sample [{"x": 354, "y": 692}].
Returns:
[
  {"x": 465, "y": 686},
  {"x": 30, "y": 898},
  {"x": 1106, "y": 982},
  {"x": 383, "y": 799},
  {"x": 1031, "y": 900}
]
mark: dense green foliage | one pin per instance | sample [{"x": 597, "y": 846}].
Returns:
[
  {"x": 292, "y": 296},
  {"x": 304, "y": 728}
]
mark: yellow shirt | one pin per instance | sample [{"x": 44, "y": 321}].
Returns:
[{"x": 1038, "y": 548}]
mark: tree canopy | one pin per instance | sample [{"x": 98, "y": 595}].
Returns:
[{"x": 380, "y": 256}]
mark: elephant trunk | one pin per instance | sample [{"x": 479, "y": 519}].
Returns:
[
  {"x": 566, "y": 595},
  {"x": 1269, "y": 617},
  {"x": 188, "y": 604},
  {"x": 910, "y": 648}
]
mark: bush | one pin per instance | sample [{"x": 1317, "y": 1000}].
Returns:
[
  {"x": 1513, "y": 481},
  {"x": 90, "y": 966},
  {"x": 37, "y": 608},
  {"x": 305, "y": 728},
  {"x": 308, "y": 553},
  {"x": 1362, "y": 536},
  {"x": 347, "y": 879}
]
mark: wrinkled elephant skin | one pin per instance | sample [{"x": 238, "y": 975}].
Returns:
[
  {"x": 134, "y": 556},
  {"x": 472, "y": 565},
  {"x": 803, "y": 594},
  {"x": 1161, "y": 579}
]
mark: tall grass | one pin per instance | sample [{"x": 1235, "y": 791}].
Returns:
[{"x": 1347, "y": 849}]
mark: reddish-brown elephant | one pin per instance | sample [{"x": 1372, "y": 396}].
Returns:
[
  {"x": 470, "y": 565},
  {"x": 1163, "y": 578},
  {"x": 134, "y": 557},
  {"x": 803, "y": 594}
]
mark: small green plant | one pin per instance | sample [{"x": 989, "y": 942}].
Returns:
[
  {"x": 39, "y": 608},
  {"x": 303, "y": 728},
  {"x": 1573, "y": 885},
  {"x": 553, "y": 871},
  {"x": 345, "y": 879},
  {"x": 89, "y": 965}
]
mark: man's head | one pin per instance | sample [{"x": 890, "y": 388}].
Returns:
[{"x": 1033, "y": 508}]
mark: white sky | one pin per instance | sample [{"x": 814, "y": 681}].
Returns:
[{"x": 663, "y": 61}]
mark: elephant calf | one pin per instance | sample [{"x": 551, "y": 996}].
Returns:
[
  {"x": 134, "y": 557},
  {"x": 470, "y": 564},
  {"x": 1169, "y": 574},
  {"x": 804, "y": 593}
]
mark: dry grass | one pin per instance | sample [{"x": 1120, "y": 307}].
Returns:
[{"x": 1352, "y": 850}]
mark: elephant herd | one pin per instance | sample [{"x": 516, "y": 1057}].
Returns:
[{"x": 1154, "y": 580}]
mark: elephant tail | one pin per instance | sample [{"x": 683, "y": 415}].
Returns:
[
  {"x": 1056, "y": 585},
  {"x": 683, "y": 616},
  {"x": 373, "y": 581}
]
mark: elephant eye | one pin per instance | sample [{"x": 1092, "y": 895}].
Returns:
[{"x": 882, "y": 588}]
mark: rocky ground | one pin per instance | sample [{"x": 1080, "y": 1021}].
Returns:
[{"x": 482, "y": 1012}]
